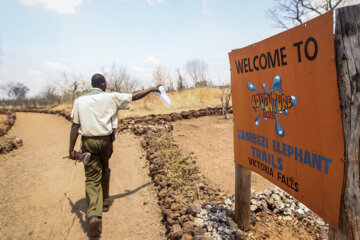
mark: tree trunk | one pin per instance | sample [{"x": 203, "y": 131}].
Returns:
[{"x": 347, "y": 52}]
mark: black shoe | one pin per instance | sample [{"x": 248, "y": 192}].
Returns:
[
  {"x": 106, "y": 208},
  {"x": 95, "y": 226}
]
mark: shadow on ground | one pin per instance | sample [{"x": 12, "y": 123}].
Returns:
[{"x": 79, "y": 208}]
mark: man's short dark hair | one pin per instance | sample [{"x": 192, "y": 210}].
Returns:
[{"x": 97, "y": 80}]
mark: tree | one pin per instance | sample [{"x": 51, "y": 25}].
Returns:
[
  {"x": 162, "y": 77},
  {"x": 197, "y": 69},
  {"x": 159, "y": 75},
  {"x": 72, "y": 86},
  {"x": 118, "y": 79},
  {"x": 49, "y": 94},
  {"x": 289, "y": 13},
  {"x": 17, "y": 90},
  {"x": 180, "y": 81},
  {"x": 225, "y": 100}
]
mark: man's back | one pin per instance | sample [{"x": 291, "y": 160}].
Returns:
[{"x": 97, "y": 111}]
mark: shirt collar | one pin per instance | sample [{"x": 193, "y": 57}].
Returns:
[{"x": 95, "y": 90}]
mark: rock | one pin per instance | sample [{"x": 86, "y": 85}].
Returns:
[
  {"x": 199, "y": 231},
  {"x": 275, "y": 197},
  {"x": 227, "y": 231},
  {"x": 253, "y": 208},
  {"x": 186, "y": 115},
  {"x": 267, "y": 192},
  {"x": 176, "y": 232},
  {"x": 202, "y": 237},
  {"x": 175, "y": 207},
  {"x": 190, "y": 217},
  {"x": 198, "y": 222},
  {"x": 279, "y": 205},
  {"x": 186, "y": 237},
  {"x": 220, "y": 228},
  {"x": 263, "y": 205},
  {"x": 209, "y": 228},
  {"x": 168, "y": 118},
  {"x": 170, "y": 221},
  {"x": 182, "y": 219},
  {"x": 270, "y": 202},
  {"x": 188, "y": 227},
  {"x": 144, "y": 143},
  {"x": 193, "y": 210},
  {"x": 300, "y": 211},
  {"x": 160, "y": 180},
  {"x": 302, "y": 206},
  {"x": 287, "y": 218},
  {"x": 174, "y": 216},
  {"x": 287, "y": 212},
  {"x": 229, "y": 213},
  {"x": 162, "y": 193},
  {"x": 221, "y": 214},
  {"x": 228, "y": 202},
  {"x": 320, "y": 222}
]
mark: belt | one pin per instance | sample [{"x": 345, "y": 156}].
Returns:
[{"x": 96, "y": 137}]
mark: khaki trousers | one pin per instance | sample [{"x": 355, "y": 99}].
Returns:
[{"x": 97, "y": 173}]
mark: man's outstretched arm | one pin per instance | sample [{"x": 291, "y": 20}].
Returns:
[
  {"x": 140, "y": 94},
  {"x": 74, "y": 132}
]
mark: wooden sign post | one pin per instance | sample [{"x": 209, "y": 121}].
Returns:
[
  {"x": 242, "y": 197},
  {"x": 347, "y": 52},
  {"x": 289, "y": 124}
]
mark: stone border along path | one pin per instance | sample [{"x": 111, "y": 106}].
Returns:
[
  {"x": 8, "y": 144},
  {"x": 211, "y": 216},
  {"x": 10, "y": 121}
]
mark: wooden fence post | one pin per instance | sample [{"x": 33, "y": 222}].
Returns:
[
  {"x": 347, "y": 54},
  {"x": 242, "y": 197}
]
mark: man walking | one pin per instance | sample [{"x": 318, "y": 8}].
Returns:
[{"x": 95, "y": 117}]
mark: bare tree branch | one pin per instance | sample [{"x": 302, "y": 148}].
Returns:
[
  {"x": 289, "y": 13},
  {"x": 118, "y": 79},
  {"x": 197, "y": 69}
]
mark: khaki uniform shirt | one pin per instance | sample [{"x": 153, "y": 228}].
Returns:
[{"x": 97, "y": 111}]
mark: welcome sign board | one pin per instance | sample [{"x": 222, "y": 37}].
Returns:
[{"x": 287, "y": 122}]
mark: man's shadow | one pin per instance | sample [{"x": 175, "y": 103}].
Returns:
[{"x": 79, "y": 209}]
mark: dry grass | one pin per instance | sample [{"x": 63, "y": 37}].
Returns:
[
  {"x": 189, "y": 99},
  {"x": 180, "y": 174}
]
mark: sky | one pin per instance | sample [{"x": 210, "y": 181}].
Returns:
[{"x": 42, "y": 39}]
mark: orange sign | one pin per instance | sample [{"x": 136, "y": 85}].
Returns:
[{"x": 287, "y": 122}]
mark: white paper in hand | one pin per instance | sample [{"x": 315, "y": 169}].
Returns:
[{"x": 163, "y": 96}]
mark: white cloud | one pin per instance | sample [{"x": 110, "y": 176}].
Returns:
[
  {"x": 151, "y": 59},
  {"x": 35, "y": 77},
  {"x": 152, "y": 2},
  {"x": 34, "y": 72},
  {"x": 55, "y": 66},
  {"x": 60, "y": 6}
]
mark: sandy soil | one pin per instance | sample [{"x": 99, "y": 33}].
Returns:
[
  {"x": 35, "y": 179},
  {"x": 211, "y": 141}
]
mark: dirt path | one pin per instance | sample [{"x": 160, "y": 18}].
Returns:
[
  {"x": 35, "y": 178},
  {"x": 211, "y": 140}
]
